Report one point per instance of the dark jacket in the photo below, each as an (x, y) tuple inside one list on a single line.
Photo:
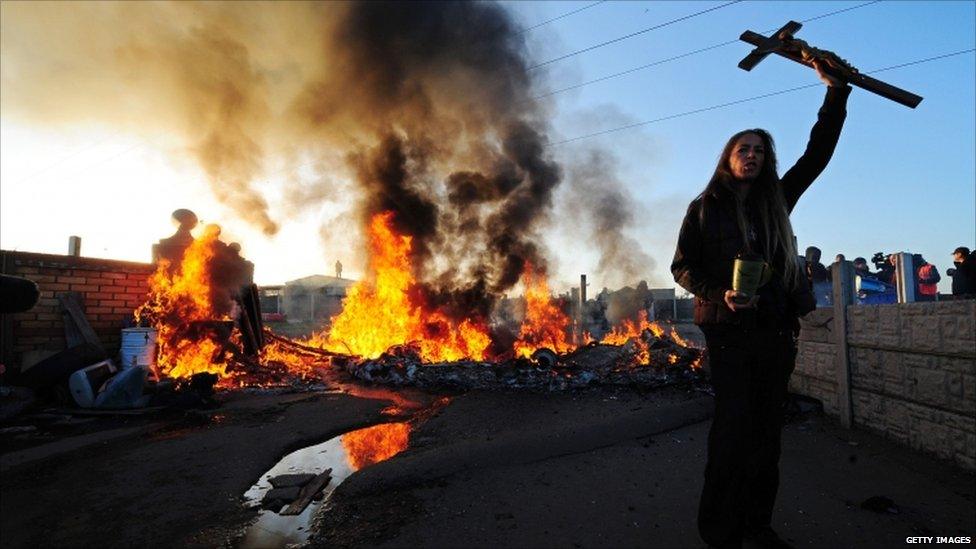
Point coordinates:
[(964, 279), (817, 272), (710, 237)]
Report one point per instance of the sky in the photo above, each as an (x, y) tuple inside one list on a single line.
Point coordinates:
[(901, 179)]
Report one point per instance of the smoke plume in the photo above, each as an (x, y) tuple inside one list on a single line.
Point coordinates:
[(427, 104), (436, 98), (607, 213)]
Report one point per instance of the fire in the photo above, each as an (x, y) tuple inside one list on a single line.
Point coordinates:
[(379, 313), (374, 444), (680, 340), (545, 324), (630, 330), (274, 351), (178, 296)]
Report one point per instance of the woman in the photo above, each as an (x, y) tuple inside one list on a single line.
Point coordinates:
[(750, 340)]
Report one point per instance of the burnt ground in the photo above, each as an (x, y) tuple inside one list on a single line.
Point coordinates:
[(620, 469), (597, 467), (162, 481)]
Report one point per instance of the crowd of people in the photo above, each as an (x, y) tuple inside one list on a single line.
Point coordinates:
[(927, 276)]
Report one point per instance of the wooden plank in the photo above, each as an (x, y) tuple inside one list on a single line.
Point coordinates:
[(72, 334), (246, 329), (308, 492), (252, 301), (75, 315), (843, 295)]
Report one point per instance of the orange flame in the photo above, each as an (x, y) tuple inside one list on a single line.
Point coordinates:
[(378, 314), (630, 330), (545, 324), (680, 340), (178, 296), (297, 364), (374, 444)]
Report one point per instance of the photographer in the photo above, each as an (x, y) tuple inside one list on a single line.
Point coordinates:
[(886, 267)]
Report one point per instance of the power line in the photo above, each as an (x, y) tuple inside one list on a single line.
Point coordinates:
[(926, 60), (633, 34), (688, 54), (835, 12), (558, 17), (68, 156), (748, 99)]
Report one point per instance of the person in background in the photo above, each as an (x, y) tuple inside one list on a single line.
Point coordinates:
[(861, 268), (927, 278), (338, 269), (886, 270), (830, 268), (964, 273), (816, 271), (818, 276)]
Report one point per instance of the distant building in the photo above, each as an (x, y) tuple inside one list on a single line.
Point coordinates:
[(313, 298), (271, 302)]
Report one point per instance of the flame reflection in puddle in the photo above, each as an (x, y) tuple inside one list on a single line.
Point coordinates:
[(344, 454)]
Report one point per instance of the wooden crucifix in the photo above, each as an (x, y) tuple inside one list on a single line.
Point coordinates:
[(784, 44)]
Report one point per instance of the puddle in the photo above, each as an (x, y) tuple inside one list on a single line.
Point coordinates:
[(344, 454), (405, 398)]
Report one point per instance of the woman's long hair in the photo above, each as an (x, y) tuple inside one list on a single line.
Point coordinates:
[(767, 201)]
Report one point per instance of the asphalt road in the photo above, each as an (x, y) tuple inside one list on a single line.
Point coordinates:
[(619, 469), (171, 482), (594, 468)]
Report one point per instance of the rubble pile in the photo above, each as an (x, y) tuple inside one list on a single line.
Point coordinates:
[(593, 364)]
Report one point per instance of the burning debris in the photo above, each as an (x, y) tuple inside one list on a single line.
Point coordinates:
[(593, 364), (387, 333)]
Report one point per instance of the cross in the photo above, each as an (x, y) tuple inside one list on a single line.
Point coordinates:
[(782, 43)]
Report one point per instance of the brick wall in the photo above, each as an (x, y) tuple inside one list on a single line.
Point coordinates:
[(912, 371), (110, 290)]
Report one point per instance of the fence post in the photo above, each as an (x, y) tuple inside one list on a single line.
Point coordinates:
[(842, 274), (905, 277)]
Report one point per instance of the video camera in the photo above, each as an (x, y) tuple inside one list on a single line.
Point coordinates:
[(880, 261)]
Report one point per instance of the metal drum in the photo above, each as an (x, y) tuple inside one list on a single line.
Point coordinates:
[(138, 348)]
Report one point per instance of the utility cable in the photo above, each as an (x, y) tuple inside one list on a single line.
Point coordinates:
[(688, 54), (558, 17), (748, 99), (633, 34), (69, 156)]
